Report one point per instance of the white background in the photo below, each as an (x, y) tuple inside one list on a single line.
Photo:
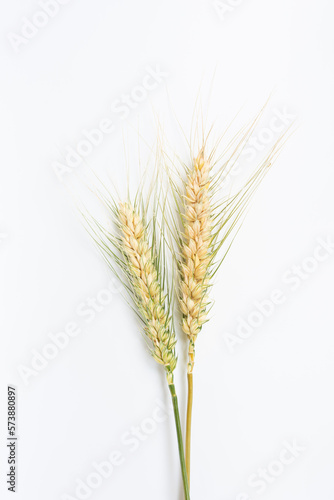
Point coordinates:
[(277, 385)]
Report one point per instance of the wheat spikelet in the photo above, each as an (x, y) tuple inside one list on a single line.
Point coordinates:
[(146, 286), (195, 252)]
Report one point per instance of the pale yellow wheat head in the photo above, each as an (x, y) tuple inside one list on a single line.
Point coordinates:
[(195, 252), (210, 221), (134, 249), (146, 286)]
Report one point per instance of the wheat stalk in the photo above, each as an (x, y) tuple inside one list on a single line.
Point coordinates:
[(137, 250), (194, 267), (207, 224), (139, 256)]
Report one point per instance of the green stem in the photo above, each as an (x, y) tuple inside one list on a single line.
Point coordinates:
[(188, 430), (180, 441)]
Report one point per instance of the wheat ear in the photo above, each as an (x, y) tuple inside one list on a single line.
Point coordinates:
[(147, 289), (195, 253)]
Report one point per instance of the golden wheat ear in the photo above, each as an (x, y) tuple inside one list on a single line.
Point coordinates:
[(206, 224), (196, 252), (147, 290), (133, 249)]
